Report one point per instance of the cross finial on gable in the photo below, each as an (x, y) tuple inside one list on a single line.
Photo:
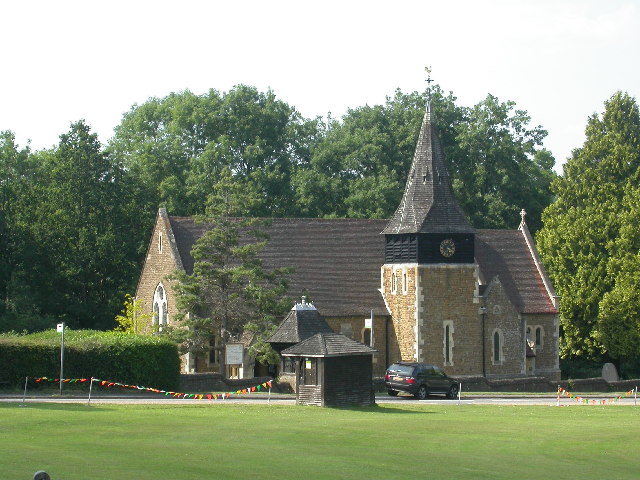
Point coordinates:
[(523, 214)]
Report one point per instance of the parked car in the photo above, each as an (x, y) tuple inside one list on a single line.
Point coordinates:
[(419, 379)]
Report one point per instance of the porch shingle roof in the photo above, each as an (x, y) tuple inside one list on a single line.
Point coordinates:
[(298, 325), (327, 345)]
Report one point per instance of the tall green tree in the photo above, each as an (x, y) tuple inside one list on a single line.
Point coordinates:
[(177, 146), (590, 239), (359, 167), (229, 290), (82, 216), (16, 180), (498, 165)]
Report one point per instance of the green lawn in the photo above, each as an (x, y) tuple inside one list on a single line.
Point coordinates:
[(217, 441)]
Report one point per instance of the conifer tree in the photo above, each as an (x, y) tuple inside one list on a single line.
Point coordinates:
[(229, 290), (590, 240)]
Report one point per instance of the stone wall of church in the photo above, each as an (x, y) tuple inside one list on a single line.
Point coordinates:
[(353, 327), (400, 297), (505, 358), (448, 298), (159, 263), (546, 362)]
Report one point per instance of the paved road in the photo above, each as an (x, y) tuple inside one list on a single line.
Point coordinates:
[(280, 399)]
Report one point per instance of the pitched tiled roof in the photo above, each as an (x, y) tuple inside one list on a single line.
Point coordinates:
[(428, 204), (504, 253), (327, 345), (337, 262), (302, 322)]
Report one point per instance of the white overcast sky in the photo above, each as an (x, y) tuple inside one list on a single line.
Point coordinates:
[(68, 60)]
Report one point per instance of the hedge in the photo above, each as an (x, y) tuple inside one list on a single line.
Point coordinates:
[(120, 357)]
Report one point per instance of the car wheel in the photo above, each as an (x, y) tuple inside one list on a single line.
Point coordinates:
[(393, 393), (422, 392), (453, 392)]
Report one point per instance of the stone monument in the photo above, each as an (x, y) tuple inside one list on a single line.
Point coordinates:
[(609, 372)]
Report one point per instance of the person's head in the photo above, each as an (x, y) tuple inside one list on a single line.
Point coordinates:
[(41, 475)]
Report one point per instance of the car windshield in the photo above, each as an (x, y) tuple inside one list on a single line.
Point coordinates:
[(401, 369)]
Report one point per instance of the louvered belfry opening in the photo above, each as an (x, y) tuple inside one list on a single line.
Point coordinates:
[(425, 248), (401, 248)]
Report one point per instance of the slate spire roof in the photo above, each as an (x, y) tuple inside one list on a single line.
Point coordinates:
[(428, 204)]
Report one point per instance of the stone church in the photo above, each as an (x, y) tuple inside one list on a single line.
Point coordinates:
[(424, 286)]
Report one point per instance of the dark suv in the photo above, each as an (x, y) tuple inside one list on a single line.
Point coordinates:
[(419, 379)]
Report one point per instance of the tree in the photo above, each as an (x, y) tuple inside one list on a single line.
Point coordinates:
[(360, 165), (16, 181), (590, 243), (155, 141), (229, 290), (131, 316), (177, 146), (618, 324), (498, 167), (81, 218)]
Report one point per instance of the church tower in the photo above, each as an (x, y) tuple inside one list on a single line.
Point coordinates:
[(430, 277)]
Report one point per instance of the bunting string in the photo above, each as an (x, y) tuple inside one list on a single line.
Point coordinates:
[(64, 380), (588, 401), (195, 396)]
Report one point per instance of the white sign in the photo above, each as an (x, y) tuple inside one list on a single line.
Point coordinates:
[(234, 354), (368, 323), (60, 327)]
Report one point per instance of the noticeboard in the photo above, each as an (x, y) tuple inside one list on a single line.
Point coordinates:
[(234, 353)]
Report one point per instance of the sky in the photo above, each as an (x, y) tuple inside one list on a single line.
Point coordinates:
[(69, 60)]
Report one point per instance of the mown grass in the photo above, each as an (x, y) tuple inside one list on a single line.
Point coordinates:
[(213, 440)]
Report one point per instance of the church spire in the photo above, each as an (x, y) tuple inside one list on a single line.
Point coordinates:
[(428, 204)]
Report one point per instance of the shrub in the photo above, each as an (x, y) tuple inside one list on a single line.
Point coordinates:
[(579, 367), (132, 359), (18, 322)]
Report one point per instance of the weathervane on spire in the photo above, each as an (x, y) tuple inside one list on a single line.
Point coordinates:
[(428, 80)]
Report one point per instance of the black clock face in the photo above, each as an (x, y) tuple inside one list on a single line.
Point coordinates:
[(447, 247)]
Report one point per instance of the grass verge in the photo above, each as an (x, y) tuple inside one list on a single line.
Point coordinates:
[(288, 442)]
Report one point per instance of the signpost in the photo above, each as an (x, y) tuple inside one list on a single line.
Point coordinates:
[(368, 322), (368, 326), (60, 329)]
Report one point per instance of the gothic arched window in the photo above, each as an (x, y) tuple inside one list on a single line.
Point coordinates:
[(497, 357), (447, 342), (539, 338), (160, 313)]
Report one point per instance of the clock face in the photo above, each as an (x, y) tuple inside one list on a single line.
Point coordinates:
[(447, 247)]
